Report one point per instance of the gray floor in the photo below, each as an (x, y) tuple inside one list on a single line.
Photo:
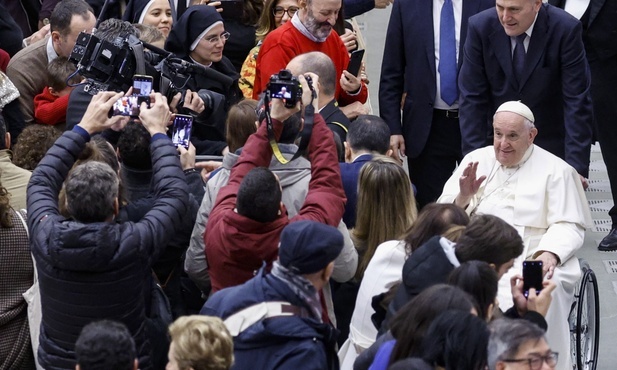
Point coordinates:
[(373, 26)]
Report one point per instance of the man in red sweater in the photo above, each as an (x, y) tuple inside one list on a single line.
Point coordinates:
[(246, 222), (310, 29)]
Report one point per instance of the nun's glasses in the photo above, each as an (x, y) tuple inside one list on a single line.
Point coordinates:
[(215, 39)]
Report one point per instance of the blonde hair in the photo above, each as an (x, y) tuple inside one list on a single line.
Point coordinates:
[(201, 343), (454, 232), (386, 207)]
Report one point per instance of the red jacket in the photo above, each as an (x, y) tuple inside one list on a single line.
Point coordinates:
[(236, 246), (50, 109)]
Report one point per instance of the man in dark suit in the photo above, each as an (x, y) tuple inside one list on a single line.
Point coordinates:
[(534, 53), (415, 43), (367, 135), (599, 30)]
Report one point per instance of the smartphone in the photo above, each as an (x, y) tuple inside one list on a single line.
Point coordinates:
[(129, 105), (181, 133), (142, 85), (232, 9), (532, 276), (355, 62)]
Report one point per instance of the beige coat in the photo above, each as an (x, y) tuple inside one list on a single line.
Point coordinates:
[(28, 71)]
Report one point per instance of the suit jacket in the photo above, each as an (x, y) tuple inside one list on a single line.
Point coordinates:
[(409, 66), (336, 120), (349, 174), (28, 71), (555, 83), (599, 29)]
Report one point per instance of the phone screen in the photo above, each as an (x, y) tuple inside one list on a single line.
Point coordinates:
[(280, 91), (126, 106), (142, 85), (181, 134), (532, 276), (355, 62)]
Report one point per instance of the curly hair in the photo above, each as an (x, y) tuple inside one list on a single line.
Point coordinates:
[(5, 207), (32, 144), (98, 150), (201, 343)]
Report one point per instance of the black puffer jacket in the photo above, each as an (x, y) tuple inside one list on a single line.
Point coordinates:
[(89, 272)]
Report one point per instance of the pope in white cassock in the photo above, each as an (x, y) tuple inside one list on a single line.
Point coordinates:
[(541, 196)]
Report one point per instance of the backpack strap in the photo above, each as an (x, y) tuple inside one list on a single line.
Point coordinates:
[(243, 319)]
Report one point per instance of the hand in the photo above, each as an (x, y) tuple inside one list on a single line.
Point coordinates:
[(156, 117), (364, 76), (350, 83), (187, 157), (536, 302), (469, 184), (397, 145), (193, 102), (38, 35), (279, 112), (173, 104), (584, 182), (381, 4), (96, 118), (353, 110), (349, 39), (549, 262), (518, 298), (541, 302), (207, 168), (215, 4), (307, 95)]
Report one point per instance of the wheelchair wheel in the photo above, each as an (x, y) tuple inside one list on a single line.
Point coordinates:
[(585, 321)]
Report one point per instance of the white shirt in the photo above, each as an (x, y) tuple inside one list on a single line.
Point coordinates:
[(457, 5), (527, 39), (577, 7), (51, 52)]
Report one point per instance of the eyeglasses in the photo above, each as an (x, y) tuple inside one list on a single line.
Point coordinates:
[(215, 39), (279, 11), (535, 362)]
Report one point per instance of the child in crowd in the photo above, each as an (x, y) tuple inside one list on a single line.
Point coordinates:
[(50, 105)]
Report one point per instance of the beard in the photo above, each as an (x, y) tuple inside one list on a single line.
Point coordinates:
[(320, 30)]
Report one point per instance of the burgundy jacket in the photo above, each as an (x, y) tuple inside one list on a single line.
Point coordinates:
[(237, 246)]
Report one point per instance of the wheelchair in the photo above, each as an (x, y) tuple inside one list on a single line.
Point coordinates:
[(584, 321)]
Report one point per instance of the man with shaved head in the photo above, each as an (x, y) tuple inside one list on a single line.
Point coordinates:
[(321, 64)]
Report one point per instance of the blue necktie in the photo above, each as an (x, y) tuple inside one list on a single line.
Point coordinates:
[(518, 57), (447, 54)]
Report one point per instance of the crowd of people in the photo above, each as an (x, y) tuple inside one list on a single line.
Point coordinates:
[(325, 237)]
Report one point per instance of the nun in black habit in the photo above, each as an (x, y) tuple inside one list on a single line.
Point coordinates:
[(199, 37), (155, 13)]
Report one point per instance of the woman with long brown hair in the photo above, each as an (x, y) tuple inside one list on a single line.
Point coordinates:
[(385, 209), (385, 269)]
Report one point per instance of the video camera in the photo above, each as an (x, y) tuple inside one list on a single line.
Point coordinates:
[(106, 65), (110, 66)]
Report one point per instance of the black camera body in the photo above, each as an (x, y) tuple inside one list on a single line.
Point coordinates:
[(285, 86), (106, 65)]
